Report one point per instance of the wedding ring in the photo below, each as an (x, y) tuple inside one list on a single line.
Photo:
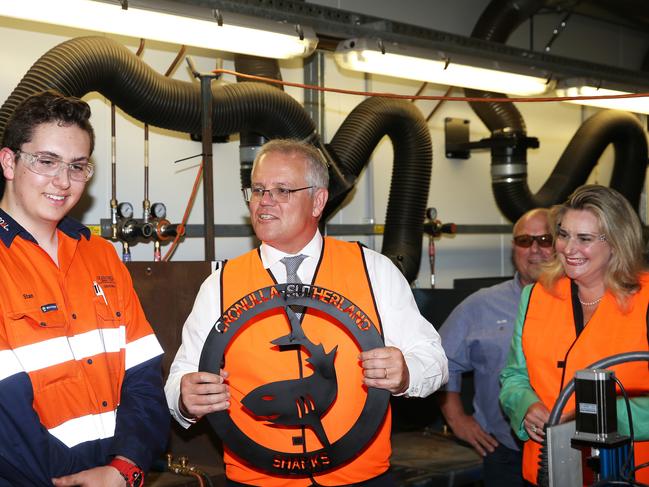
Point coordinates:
[(386, 374), (533, 428)]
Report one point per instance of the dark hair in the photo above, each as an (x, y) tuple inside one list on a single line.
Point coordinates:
[(46, 107)]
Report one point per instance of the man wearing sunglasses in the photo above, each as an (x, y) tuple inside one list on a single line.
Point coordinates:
[(81, 399), (476, 337)]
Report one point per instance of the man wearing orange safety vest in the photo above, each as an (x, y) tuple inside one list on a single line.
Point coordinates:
[(286, 199), (81, 399)]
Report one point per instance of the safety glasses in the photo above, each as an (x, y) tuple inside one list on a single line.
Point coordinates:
[(526, 241)]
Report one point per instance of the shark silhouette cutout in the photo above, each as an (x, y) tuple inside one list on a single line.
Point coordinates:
[(298, 402)]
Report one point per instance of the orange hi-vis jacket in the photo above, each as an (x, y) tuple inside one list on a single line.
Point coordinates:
[(549, 332), (253, 360), (75, 347)]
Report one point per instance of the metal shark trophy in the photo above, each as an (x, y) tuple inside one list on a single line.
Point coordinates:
[(301, 402)]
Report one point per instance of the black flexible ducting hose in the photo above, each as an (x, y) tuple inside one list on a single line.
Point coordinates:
[(509, 160), (258, 66), (497, 22), (79, 66), (621, 129), (250, 142), (543, 478), (369, 122), (86, 64), (353, 145), (339, 183)]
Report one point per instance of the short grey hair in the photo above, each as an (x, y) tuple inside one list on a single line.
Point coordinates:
[(317, 173)]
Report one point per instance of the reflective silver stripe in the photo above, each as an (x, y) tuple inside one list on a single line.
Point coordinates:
[(44, 354), (58, 350), (141, 350), (86, 428), (521, 178), (248, 153), (500, 170), (98, 341), (9, 364)]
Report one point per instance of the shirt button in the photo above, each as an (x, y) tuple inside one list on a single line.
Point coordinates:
[(42, 323), (118, 314), (74, 316), (104, 404), (89, 361)]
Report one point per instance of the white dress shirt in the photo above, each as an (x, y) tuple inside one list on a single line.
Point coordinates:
[(403, 326)]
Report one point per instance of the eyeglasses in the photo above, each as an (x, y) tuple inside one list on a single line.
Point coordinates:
[(583, 240), (50, 165), (279, 195), (527, 241)]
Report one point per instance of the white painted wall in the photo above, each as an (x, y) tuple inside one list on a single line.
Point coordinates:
[(460, 189)]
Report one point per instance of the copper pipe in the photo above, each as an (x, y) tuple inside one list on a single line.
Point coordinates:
[(184, 468), (146, 204), (174, 63), (113, 174)]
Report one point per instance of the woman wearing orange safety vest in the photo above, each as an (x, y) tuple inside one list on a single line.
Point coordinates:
[(591, 303)]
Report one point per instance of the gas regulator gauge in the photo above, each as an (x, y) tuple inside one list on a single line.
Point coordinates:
[(158, 210), (125, 210)]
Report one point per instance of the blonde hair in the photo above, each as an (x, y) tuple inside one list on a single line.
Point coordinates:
[(623, 230)]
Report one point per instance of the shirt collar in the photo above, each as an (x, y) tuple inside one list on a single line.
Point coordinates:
[(271, 256), (74, 228), (10, 229), (517, 281)]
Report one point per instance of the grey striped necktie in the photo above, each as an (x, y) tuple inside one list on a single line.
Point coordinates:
[(292, 264)]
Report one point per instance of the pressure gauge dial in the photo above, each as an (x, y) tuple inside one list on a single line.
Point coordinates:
[(125, 210), (158, 210)]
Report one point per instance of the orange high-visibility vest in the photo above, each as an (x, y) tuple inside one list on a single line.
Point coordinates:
[(549, 332), (252, 360)]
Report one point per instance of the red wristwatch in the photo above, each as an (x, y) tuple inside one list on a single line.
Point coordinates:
[(133, 475)]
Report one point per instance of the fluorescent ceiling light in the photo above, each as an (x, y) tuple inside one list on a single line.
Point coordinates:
[(637, 105), (232, 33), (371, 56)]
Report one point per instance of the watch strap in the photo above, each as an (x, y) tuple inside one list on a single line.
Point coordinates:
[(133, 475)]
